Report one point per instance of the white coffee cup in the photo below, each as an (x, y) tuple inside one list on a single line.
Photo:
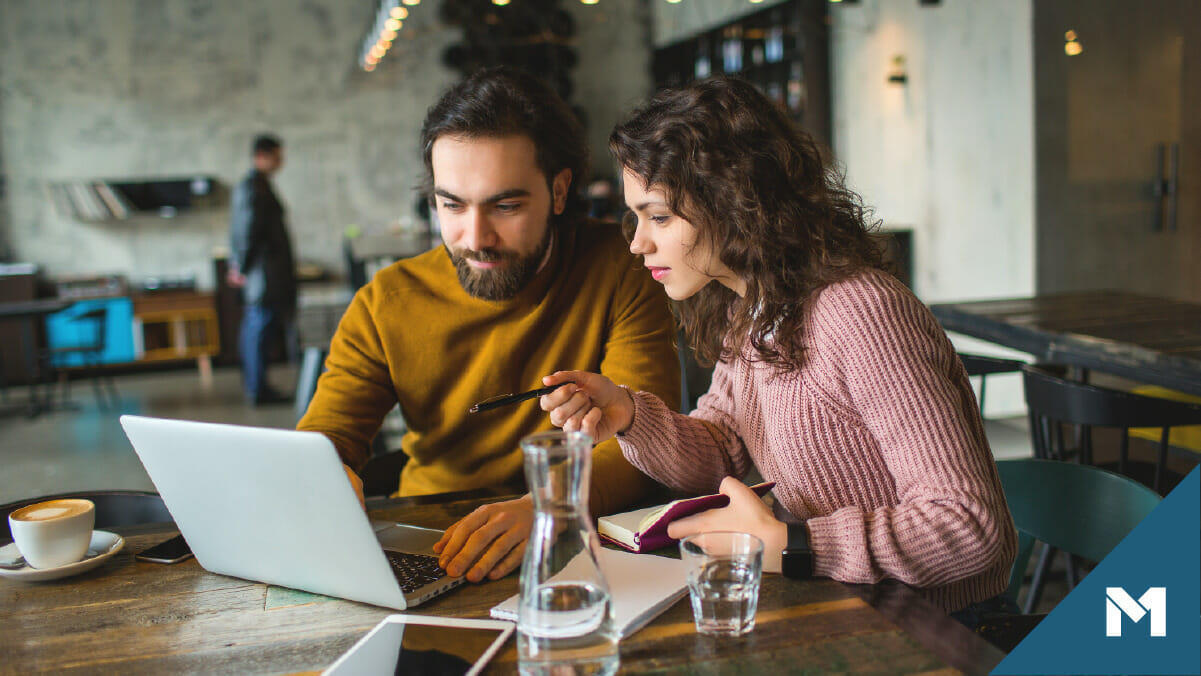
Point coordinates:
[(53, 533)]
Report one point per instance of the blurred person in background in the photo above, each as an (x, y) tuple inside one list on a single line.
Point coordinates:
[(262, 264)]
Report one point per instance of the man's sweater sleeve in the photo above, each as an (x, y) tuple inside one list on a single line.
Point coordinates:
[(355, 392), (640, 352), (899, 372)]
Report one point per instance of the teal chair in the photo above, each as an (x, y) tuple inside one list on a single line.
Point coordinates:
[(1079, 509)]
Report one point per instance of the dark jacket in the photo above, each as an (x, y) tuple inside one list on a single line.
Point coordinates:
[(260, 245)]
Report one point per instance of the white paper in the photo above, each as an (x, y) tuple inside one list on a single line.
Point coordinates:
[(642, 587)]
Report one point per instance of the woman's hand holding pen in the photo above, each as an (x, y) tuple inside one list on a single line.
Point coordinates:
[(592, 404)]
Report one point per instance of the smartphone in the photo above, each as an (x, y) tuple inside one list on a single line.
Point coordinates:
[(415, 644), (170, 551)]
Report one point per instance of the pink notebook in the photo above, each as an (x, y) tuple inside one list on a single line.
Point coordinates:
[(645, 530)]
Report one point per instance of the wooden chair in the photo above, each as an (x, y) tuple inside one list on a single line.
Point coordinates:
[(1053, 400), (1082, 510), (113, 508), (980, 365)]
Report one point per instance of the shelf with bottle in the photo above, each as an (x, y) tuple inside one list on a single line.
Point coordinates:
[(783, 50)]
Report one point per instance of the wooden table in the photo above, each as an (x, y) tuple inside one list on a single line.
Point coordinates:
[(130, 616), (1142, 338)]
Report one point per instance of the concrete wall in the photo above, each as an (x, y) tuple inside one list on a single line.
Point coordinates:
[(614, 73), (5, 250), (951, 153), (123, 89)]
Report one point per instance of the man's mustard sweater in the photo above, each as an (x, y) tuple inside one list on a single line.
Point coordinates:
[(414, 336)]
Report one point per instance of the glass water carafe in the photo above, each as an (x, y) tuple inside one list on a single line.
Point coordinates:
[(565, 616)]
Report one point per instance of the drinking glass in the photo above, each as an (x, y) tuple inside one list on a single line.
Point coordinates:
[(724, 569)]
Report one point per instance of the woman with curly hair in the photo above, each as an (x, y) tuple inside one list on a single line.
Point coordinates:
[(832, 379)]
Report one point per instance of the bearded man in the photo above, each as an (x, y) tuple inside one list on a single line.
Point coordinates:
[(524, 285)]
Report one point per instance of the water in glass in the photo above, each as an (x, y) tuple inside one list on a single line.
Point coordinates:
[(565, 616), (723, 581)]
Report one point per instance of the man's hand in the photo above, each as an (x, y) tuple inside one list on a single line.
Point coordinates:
[(235, 278), (591, 404), (356, 482), (746, 513), (487, 542)]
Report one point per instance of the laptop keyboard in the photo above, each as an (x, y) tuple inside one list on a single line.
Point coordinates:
[(414, 571)]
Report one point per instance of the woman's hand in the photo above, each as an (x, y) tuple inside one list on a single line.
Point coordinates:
[(487, 542), (746, 513), (591, 404)]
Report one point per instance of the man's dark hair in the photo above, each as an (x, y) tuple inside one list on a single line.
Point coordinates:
[(504, 101), (265, 143)]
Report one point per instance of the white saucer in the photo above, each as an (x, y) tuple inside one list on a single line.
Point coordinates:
[(104, 542)]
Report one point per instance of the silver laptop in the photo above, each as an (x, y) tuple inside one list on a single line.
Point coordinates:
[(275, 506)]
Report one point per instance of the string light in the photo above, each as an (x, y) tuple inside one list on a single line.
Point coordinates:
[(383, 32), (1071, 45), (500, 3)]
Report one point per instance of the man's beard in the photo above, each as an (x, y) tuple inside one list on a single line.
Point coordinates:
[(504, 281)]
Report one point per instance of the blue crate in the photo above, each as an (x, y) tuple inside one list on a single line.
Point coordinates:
[(67, 329)]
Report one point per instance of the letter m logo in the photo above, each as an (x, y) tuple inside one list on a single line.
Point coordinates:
[(1153, 602)]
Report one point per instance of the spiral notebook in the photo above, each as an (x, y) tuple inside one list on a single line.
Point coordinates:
[(641, 587)]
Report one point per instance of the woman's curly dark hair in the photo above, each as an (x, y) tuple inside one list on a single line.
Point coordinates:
[(757, 190)]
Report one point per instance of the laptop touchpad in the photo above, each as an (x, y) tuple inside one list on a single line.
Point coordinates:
[(409, 539)]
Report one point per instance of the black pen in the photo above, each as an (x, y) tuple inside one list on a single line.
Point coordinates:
[(506, 399)]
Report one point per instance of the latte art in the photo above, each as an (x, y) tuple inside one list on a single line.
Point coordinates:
[(54, 509)]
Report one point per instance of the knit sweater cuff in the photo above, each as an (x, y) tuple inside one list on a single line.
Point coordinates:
[(642, 427), (825, 539)]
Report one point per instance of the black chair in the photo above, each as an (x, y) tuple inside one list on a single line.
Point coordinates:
[(980, 365), (1053, 401), (93, 325), (694, 378), (113, 508), (381, 474)]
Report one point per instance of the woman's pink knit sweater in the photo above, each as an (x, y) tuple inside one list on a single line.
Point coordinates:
[(876, 443)]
